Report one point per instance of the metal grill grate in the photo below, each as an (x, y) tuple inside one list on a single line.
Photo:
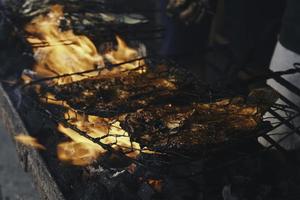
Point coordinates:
[(281, 114)]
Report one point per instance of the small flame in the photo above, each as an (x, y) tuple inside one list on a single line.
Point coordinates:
[(123, 54), (29, 141)]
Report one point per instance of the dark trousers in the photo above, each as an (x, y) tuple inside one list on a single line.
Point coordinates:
[(251, 26), (182, 39)]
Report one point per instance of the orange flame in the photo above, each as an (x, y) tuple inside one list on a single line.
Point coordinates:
[(63, 52), (123, 54), (82, 151), (66, 53), (29, 141)]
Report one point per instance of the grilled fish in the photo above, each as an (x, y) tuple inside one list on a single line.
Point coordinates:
[(176, 128), (108, 96)]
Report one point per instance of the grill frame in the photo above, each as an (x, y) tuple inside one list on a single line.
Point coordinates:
[(155, 60), (33, 162)]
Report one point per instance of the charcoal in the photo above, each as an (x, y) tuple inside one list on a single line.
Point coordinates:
[(31, 8), (109, 96), (121, 191), (145, 192), (94, 190), (92, 19), (188, 169), (98, 23), (179, 189), (185, 129), (27, 8), (263, 96)]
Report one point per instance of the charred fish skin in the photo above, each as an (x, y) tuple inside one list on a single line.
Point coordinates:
[(114, 95), (172, 128)]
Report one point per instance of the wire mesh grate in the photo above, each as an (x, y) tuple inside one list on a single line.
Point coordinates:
[(69, 117)]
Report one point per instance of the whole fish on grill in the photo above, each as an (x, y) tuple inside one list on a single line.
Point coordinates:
[(174, 128), (112, 95)]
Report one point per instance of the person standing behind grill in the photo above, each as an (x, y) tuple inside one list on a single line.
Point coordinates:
[(286, 54), (186, 31), (240, 34)]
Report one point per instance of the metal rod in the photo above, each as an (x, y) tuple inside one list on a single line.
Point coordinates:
[(80, 73)]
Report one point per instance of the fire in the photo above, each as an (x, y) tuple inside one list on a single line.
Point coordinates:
[(156, 184), (64, 52), (29, 141), (60, 52), (79, 151), (82, 151), (123, 54)]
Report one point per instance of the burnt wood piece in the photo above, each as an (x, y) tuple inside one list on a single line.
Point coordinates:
[(31, 8), (113, 95), (188, 129), (30, 159), (95, 19)]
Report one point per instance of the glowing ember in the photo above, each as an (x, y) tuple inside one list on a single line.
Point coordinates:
[(29, 141), (156, 184), (62, 52)]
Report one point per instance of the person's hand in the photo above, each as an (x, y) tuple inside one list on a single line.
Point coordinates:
[(188, 11)]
